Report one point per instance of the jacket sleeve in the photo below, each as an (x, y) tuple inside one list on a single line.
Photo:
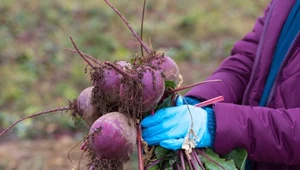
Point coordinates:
[(268, 135), (235, 71)]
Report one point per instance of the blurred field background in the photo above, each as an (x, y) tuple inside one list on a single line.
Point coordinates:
[(36, 73)]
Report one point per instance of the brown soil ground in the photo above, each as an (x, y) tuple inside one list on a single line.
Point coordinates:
[(44, 155)]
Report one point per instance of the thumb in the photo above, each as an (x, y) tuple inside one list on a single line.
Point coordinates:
[(172, 144)]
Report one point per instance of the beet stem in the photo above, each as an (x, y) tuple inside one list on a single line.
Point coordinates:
[(193, 161), (91, 167), (199, 151), (194, 165), (82, 56), (34, 115), (139, 150), (192, 85), (158, 161), (115, 67), (182, 159), (129, 26), (152, 112), (85, 55), (83, 146), (178, 166), (210, 101), (189, 162), (142, 26), (198, 160)]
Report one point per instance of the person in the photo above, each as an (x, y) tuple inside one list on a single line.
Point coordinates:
[(260, 84)]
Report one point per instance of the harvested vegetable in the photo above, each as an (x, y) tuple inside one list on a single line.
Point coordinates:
[(112, 137), (167, 66), (85, 108)]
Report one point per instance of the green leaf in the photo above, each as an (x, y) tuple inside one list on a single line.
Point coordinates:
[(239, 156), (161, 152), (166, 103), (170, 85), (168, 158), (209, 165), (173, 160), (155, 167)]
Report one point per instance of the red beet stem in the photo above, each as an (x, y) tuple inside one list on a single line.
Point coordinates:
[(139, 150), (188, 161), (85, 55), (91, 167), (210, 101), (129, 26), (197, 159), (182, 159), (34, 115), (115, 67), (82, 56), (142, 26), (152, 112), (192, 85), (83, 146)]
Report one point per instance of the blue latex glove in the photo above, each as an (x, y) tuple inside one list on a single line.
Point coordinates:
[(168, 126), (186, 100)]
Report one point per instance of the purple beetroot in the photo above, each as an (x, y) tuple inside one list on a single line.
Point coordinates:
[(113, 136), (85, 108), (167, 66), (152, 85)]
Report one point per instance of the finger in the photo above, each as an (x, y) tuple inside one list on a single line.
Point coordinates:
[(179, 100), (173, 144), (158, 117), (174, 132), (155, 130), (164, 127), (156, 139)]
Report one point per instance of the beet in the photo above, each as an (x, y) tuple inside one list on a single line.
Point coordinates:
[(124, 64), (167, 67), (85, 107), (113, 137), (108, 80), (152, 87), (109, 83)]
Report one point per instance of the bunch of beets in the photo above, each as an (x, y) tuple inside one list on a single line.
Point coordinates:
[(121, 94)]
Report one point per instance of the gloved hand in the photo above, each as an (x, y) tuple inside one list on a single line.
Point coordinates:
[(168, 126)]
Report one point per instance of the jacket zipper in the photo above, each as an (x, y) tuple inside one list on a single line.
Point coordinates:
[(281, 67), (257, 56)]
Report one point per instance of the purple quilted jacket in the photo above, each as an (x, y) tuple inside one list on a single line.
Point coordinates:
[(271, 134)]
